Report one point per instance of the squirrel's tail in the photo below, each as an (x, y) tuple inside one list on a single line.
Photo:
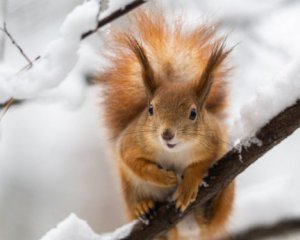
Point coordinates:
[(175, 54)]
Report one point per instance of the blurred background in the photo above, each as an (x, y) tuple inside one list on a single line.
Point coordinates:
[(54, 158)]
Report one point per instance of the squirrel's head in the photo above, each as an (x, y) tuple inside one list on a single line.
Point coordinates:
[(176, 110)]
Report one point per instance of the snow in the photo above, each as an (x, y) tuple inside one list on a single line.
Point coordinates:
[(268, 102), (73, 228), (59, 58)]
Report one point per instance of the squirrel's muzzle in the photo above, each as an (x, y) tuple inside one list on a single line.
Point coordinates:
[(167, 135)]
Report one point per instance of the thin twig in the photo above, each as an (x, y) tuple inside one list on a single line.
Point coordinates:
[(113, 16), (11, 101), (28, 66), (4, 29), (16, 102), (6, 107)]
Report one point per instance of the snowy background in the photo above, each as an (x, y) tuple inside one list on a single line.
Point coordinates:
[(53, 154)]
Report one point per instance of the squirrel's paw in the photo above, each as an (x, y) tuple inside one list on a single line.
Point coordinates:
[(145, 209), (185, 195), (166, 178)]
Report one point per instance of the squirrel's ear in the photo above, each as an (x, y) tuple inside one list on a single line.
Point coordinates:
[(147, 71), (203, 85)]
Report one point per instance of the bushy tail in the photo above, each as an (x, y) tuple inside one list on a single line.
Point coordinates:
[(175, 53)]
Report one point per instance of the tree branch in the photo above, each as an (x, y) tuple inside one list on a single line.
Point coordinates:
[(6, 107), (113, 16), (221, 174), (283, 227)]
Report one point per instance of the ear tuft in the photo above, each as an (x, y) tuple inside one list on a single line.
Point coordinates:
[(147, 71), (215, 60)]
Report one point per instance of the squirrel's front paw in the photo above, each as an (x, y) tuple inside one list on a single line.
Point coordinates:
[(144, 209), (167, 178), (185, 195)]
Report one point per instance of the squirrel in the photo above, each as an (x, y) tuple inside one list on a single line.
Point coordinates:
[(164, 99)]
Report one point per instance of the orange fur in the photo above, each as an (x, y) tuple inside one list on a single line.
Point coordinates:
[(175, 54), (176, 73)]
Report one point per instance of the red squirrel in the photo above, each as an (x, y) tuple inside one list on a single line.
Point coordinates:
[(164, 99)]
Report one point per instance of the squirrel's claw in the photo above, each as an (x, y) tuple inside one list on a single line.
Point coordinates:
[(144, 210), (184, 196)]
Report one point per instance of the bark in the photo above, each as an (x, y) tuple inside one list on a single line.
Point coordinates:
[(221, 174)]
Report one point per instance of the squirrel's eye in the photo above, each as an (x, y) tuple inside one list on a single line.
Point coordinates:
[(193, 114), (150, 110)]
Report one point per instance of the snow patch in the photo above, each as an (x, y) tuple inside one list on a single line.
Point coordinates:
[(246, 143), (268, 102), (73, 228)]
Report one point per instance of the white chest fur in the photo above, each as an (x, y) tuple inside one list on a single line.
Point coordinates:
[(175, 160)]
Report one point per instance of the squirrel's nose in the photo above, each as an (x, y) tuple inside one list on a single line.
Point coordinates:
[(167, 135)]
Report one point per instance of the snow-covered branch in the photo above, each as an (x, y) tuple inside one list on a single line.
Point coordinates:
[(268, 101), (63, 54), (114, 15), (57, 61)]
